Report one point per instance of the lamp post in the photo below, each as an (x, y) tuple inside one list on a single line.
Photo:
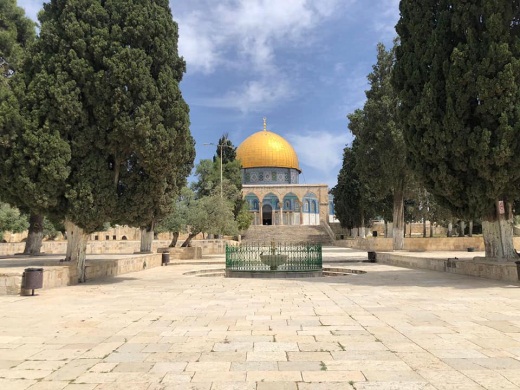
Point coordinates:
[(221, 146)]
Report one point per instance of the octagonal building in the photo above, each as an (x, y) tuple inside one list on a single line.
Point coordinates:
[(271, 183)]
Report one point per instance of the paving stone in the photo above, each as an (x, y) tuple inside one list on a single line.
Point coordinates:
[(266, 356), (254, 366), (392, 328), (274, 376), (216, 376), (332, 376), (276, 386), (45, 385)]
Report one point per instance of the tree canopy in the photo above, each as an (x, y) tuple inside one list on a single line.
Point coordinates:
[(458, 76), (105, 84), (459, 72), (381, 152)]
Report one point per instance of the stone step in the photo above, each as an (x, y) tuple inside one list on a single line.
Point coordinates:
[(277, 233)]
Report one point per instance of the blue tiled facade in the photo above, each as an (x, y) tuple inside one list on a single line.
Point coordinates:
[(270, 176)]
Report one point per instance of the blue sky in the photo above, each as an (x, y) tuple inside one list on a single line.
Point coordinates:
[(300, 63)]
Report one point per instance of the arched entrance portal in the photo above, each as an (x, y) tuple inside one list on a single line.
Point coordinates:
[(267, 215)]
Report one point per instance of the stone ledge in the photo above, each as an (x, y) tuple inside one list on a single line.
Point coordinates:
[(56, 274), (187, 253), (479, 266)]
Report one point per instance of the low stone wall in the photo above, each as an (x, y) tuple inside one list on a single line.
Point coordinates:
[(419, 244), (213, 247), (56, 274), (97, 269), (189, 253), (478, 266), (209, 247)]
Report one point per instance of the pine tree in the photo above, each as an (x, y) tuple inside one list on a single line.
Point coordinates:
[(458, 76)]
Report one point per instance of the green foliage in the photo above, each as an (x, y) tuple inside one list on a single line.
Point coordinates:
[(244, 217), (12, 220), (458, 77), (208, 183), (104, 98), (17, 32), (382, 152), (229, 151), (52, 229), (354, 204), (211, 214)]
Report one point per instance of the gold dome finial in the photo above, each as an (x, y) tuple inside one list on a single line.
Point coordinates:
[(265, 123)]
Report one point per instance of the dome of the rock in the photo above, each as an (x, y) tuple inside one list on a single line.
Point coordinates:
[(267, 149)]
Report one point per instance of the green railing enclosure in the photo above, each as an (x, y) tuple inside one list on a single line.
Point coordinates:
[(274, 257)]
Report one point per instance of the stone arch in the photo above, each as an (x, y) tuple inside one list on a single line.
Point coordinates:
[(291, 209), (311, 209)]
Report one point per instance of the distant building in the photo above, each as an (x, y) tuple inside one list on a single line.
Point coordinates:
[(271, 183)]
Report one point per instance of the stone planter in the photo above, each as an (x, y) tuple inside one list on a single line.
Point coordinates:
[(273, 261)]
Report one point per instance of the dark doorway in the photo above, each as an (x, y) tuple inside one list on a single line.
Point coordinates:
[(267, 215)]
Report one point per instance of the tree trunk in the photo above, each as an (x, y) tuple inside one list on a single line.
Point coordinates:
[(424, 227), (390, 229), (398, 217), (497, 230), (462, 227), (175, 238), (431, 229), (33, 245), (450, 229), (187, 242), (146, 239), (362, 230), (77, 248), (470, 229), (386, 228)]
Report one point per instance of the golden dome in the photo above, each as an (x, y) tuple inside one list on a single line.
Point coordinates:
[(267, 149)]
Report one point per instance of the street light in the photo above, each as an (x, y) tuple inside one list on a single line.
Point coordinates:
[(221, 146)]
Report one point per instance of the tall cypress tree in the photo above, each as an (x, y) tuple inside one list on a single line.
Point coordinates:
[(32, 186), (382, 152), (105, 82), (458, 76)]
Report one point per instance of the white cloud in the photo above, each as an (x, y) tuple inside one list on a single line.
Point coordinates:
[(320, 150), (253, 96), (249, 37), (247, 31)]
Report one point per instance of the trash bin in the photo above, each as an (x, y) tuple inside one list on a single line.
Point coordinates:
[(165, 258), (518, 268), (33, 279), (372, 257), (374, 233)]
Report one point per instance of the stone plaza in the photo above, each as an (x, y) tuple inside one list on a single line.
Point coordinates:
[(167, 328)]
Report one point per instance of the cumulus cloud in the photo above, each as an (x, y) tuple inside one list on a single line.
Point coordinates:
[(251, 28), (320, 150), (249, 37), (253, 96)]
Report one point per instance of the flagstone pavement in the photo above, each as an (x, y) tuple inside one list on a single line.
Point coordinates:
[(391, 328)]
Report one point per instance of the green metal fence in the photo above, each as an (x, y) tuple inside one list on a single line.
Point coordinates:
[(274, 257)]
